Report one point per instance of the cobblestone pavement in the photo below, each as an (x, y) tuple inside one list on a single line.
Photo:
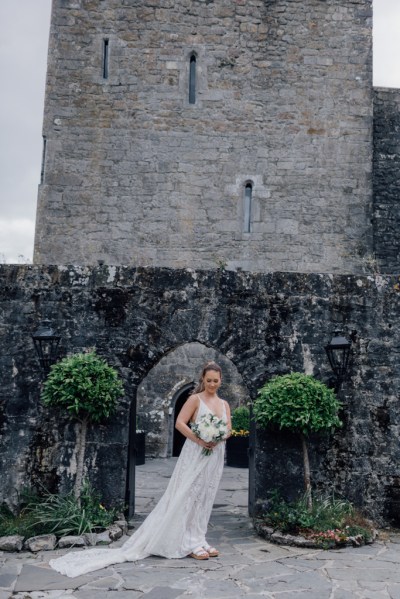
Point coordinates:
[(248, 566)]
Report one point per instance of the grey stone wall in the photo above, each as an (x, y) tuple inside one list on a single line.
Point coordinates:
[(265, 324), (386, 179), (284, 101)]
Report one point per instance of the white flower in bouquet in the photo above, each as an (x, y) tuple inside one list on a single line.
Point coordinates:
[(210, 429)]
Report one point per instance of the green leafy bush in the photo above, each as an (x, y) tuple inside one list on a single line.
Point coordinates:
[(241, 420), (298, 402), (88, 389), (85, 385)]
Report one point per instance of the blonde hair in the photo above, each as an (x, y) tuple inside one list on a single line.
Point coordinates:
[(209, 366)]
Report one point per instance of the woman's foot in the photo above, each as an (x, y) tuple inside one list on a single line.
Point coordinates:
[(212, 552), (199, 553)]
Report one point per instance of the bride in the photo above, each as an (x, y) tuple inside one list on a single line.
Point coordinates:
[(177, 525)]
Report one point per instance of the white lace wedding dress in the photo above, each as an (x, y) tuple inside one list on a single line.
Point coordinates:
[(176, 526)]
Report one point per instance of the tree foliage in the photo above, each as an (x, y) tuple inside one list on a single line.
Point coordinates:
[(241, 419), (298, 402), (88, 389), (302, 404), (85, 386)]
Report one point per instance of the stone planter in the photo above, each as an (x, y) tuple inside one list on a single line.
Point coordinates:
[(237, 452), (140, 448)]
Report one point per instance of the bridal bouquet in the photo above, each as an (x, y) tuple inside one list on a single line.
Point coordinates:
[(210, 429)]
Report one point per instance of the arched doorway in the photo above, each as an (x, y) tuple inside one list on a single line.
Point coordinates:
[(177, 438), (171, 377), (162, 393)]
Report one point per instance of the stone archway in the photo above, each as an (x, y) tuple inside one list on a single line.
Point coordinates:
[(161, 391), (170, 379)]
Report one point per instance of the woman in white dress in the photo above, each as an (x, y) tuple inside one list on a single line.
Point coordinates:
[(178, 524)]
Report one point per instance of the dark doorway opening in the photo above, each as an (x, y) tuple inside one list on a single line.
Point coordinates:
[(178, 438)]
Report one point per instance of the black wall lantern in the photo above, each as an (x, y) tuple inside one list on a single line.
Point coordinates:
[(338, 352), (46, 344)]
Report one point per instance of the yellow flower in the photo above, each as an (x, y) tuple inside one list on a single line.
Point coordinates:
[(240, 433)]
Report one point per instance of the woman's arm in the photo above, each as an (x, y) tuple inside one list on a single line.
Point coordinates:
[(187, 412), (228, 419)]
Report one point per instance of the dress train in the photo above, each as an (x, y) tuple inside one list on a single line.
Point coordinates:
[(178, 523)]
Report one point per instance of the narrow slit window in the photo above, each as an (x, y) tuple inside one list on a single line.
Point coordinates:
[(43, 159), (248, 199), (105, 58), (192, 80)]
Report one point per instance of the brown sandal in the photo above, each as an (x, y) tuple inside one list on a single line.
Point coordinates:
[(212, 552), (199, 553)]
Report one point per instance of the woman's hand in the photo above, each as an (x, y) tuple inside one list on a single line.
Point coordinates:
[(205, 444)]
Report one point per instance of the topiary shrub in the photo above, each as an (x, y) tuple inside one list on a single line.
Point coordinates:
[(88, 389), (300, 403)]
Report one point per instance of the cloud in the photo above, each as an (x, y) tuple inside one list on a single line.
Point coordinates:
[(16, 240), (386, 40), (23, 57)]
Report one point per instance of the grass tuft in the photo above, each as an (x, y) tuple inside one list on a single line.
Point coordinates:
[(58, 514)]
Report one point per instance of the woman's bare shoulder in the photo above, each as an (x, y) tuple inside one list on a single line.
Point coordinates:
[(194, 398), (192, 402), (227, 406)]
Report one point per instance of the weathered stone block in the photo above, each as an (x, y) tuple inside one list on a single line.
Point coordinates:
[(115, 532), (11, 543), (41, 543), (103, 538), (90, 538), (123, 525), (71, 541)]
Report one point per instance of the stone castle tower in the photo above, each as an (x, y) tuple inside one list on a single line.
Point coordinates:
[(208, 133)]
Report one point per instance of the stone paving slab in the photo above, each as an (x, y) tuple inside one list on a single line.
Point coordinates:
[(247, 567), (394, 591), (164, 592), (89, 594), (37, 578)]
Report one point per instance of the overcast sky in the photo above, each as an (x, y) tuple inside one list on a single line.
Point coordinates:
[(23, 53)]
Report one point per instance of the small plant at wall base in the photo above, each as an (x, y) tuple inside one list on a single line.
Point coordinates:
[(19, 522), (299, 403), (331, 522), (88, 389), (67, 515), (57, 514)]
